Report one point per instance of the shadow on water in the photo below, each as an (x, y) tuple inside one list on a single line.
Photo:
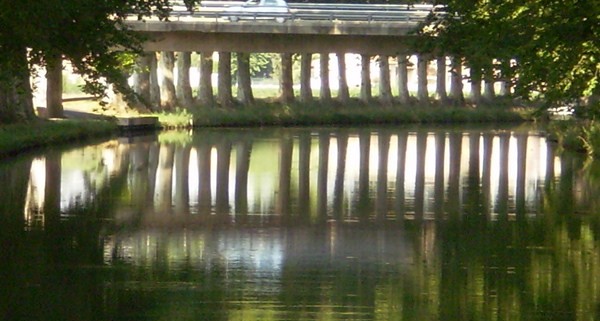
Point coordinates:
[(302, 224)]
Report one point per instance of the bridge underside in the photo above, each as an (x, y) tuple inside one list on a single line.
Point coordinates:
[(282, 43)]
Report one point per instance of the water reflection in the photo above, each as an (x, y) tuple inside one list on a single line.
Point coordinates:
[(387, 224)]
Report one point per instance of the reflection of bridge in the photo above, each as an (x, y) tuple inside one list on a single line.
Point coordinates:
[(387, 175)]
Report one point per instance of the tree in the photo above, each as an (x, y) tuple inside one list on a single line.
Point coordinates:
[(85, 32)]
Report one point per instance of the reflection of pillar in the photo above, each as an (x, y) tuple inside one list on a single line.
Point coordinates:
[(486, 174), (420, 175), (304, 174), (205, 88), (325, 93), (223, 162), (153, 157), (365, 78), (204, 188), (244, 89), (224, 82), (322, 175), (521, 169), (338, 190), (422, 92), (440, 158), (182, 173), (139, 176), (364, 141), (502, 197), (167, 89), (400, 175), (52, 187), (455, 148), (382, 173), (472, 199), (243, 152), (343, 94), (305, 68), (184, 89), (403, 94), (164, 179), (549, 179), (285, 175), (385, 89), (286, 82)]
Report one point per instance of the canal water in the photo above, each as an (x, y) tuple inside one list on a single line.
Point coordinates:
[(302, 224)]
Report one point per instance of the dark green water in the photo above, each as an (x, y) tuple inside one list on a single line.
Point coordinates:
[(322, 224)]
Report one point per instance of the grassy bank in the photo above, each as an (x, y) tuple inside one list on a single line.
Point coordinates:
[(21, 137), (318, 115)]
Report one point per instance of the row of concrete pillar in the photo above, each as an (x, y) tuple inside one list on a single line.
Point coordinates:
[(166, 95)]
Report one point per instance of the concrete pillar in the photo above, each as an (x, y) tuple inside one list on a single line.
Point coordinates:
[(325, 92), (475, 85), (385, 89), (403, 94), (305, 68), (184, 89), (225, 95), (286, 82), (167, 90), (343, 94), (422, 92), (456, 86), (505, 78), (244, 88), (205, 88), (54, 88), (440, 84), (154, 84), (141, 79), (365, 78), (488, 88)]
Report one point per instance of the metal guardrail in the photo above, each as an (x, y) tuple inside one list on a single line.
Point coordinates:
[(313, 11)]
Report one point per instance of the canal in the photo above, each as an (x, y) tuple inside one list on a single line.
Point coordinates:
[(393, 223)]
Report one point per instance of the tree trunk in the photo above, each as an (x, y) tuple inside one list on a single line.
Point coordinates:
[(306, 94), (343, 94), (286, 81), (440, 84), (385, 89), (456, 85), (475, 85), (167, 90), (244, 89), (325, 92), (54, 89), (224, 90), (422, 92), (488, 89), (141, 79), (205, 88), (184, 89), (17, 98), (154, 84), (365, 78), (403, 94)]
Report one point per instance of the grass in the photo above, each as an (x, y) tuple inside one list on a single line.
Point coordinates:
[(17, 138)]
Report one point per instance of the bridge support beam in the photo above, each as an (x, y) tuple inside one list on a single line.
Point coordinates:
[(343, 94), (422, 92), (325, 92), (365, 78), (184, 89), (154, 84), (224, 85), (205, 88), (244, 88), (456, 86), (167, 90), (286, 82), (440, 84), (306, 94), (141, 79), (385, 89), (403, 94)]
